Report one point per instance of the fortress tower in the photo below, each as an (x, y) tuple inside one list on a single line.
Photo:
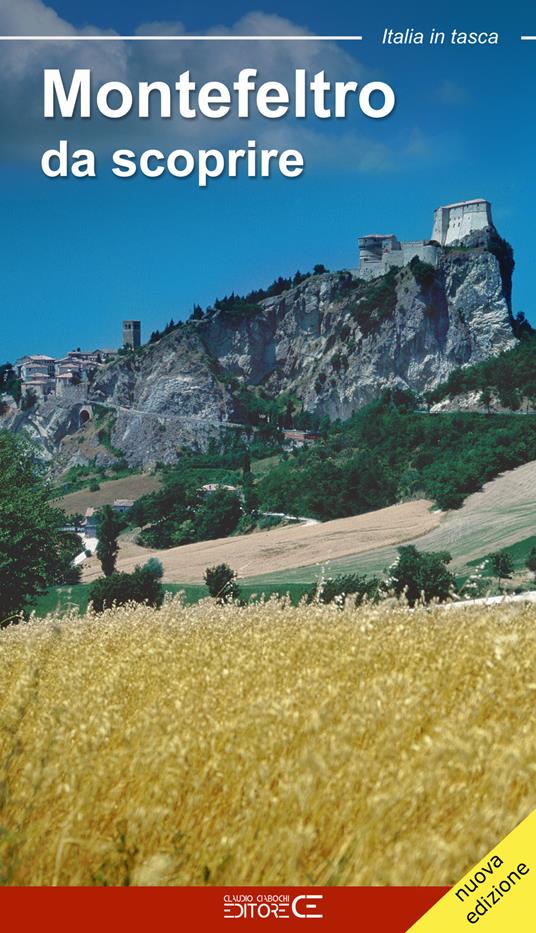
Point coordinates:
[(379, 252), (455, 221), (132, 334)]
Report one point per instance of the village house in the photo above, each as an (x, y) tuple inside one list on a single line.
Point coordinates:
[(122, 505), (44, 376), (295, 438)]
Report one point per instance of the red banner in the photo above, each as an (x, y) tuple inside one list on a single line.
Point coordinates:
[(74, 910)]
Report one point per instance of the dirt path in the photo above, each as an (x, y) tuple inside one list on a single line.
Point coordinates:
[(283, 548)]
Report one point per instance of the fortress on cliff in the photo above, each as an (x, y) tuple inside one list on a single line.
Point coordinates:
[(379, 252)]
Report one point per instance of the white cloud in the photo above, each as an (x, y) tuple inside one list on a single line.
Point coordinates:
[(25, 133)]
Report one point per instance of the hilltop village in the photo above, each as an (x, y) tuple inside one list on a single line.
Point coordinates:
[(42, 377)]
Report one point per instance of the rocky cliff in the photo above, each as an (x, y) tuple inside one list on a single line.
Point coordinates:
[(334, 341)]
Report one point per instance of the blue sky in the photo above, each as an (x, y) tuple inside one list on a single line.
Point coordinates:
[(78, 256)]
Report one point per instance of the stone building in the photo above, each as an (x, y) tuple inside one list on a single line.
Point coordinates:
[(379, 252), (35, 365), (456, 221), (132, 334)]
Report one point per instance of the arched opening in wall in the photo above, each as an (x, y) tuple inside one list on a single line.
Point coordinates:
[(84, 417)]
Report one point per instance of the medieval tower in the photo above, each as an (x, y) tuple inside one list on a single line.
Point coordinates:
[(132, 334), (458, 220)]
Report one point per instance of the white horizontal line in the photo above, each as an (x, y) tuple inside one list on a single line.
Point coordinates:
[(181, 38), (528, 38)]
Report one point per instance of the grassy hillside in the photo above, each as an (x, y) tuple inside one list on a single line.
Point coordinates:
[(279, 548), (387, 453), (217, 745)]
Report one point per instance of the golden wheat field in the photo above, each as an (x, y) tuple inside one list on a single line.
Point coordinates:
[(264, 745)]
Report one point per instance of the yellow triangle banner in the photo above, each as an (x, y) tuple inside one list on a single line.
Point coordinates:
[(498, 895)]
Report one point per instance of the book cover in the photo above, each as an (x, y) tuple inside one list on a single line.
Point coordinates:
[(268, 459)]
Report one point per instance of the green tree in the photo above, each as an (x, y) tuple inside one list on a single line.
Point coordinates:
[(221, 583), (184, 533), (502, 565), (531, 561), (33, 552), (421, 575), (251, 498), (108, 529), (70, 545), (219, 515), (486, 398)]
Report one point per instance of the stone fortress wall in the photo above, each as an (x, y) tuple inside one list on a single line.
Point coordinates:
[(458, 220), (380, 252)]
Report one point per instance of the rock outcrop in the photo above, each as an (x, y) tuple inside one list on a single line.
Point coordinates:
[(335, 341)]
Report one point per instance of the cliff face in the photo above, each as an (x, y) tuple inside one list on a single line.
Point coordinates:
[(164, 398), (337, 343), (334, 341)]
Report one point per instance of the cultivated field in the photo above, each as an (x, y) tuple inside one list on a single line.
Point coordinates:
[(503, 513), (266, 745), (282, 548), (131, 487)]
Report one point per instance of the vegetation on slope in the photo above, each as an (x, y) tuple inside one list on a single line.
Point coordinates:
[(510, 377), (387, 452), (239, 305)]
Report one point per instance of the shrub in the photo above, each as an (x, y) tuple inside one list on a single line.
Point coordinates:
[(423, 273), (221, 584), (141, 586), (376, 302), (29, 400), (246, 524), (351, 584), (270, 521)]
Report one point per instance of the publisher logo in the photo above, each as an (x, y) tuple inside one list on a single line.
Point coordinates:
[(277, 906)]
